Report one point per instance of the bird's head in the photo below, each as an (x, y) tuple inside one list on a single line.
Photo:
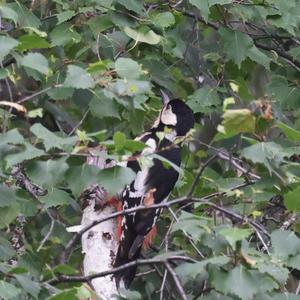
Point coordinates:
[(176, 114)]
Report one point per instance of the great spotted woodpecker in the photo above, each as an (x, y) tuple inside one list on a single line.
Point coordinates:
[(152, 184)]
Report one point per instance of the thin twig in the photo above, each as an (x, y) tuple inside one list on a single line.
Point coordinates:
[(176, 281), (45, 90), (161, 296), (186, 234)]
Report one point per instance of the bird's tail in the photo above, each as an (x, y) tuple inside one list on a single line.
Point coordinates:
[(129, 250)]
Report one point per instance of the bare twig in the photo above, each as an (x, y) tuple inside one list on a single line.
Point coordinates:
[(176, 281)]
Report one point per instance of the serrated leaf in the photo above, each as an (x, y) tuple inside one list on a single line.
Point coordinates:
[(128, 68), (60, 93), (102, 106), (52, 140), (28, 152), (112, 179), (78, 78), (188, 271), (236, 44), (31, 41), (292, 200), (143, 35), (56, 197), (236, 121), (7, 215), (6, 45), (279, 273), (7, 196), (164, 19), (8, 291), (203, 100), (31, 287), (130, 87), (47, 173), (6, 249), (270, 154), (65, 16), (291, 133), (134, 5), (279, 89), (285, 243), (25, 17), (8, 13), (64, 34), (3, 73), (35, 61), (235, 234)]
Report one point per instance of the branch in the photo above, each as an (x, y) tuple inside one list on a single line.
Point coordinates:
[(176, 281), (138, 262)]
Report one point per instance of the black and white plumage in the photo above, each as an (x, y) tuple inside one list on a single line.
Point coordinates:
[(152, 183)]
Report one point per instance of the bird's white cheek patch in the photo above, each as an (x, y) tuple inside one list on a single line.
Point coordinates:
[(168, 117)]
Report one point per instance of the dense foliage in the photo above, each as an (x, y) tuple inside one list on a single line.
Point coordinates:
[(89, 71)]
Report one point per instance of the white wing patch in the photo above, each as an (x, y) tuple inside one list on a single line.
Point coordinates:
[(141, 176)]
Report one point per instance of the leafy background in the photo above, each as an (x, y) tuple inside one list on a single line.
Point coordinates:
[(89, 71)]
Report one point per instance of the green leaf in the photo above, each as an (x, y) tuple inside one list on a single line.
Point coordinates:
[(31, 41), (6, 45), (48, 173), (241, 282), (203, 100), (25, 17), (102, 106), (65, 295), (112, 179), (279, 89), (119, 140), (236, 44), (8, 13), (235, 234), (270, 154), (236, 121), (64, 34), (128, 68), (65, 15), (52, 140), (11, 137), (203, 6), (292, 200), (279, 273), (280, 239), (28, 152), (6, 249), (134, 5), (56, 197), (31, 287), (195, 226), (143, 35), (8, 291), (7, 215), (130, 87), (188, 271), (7, 196), (164, 19), (35, 61), (60, 93), (291, 133), (256, 55), (78, 78), (3, 73)]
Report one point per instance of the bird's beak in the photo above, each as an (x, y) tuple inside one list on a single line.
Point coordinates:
[(165, 97)]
